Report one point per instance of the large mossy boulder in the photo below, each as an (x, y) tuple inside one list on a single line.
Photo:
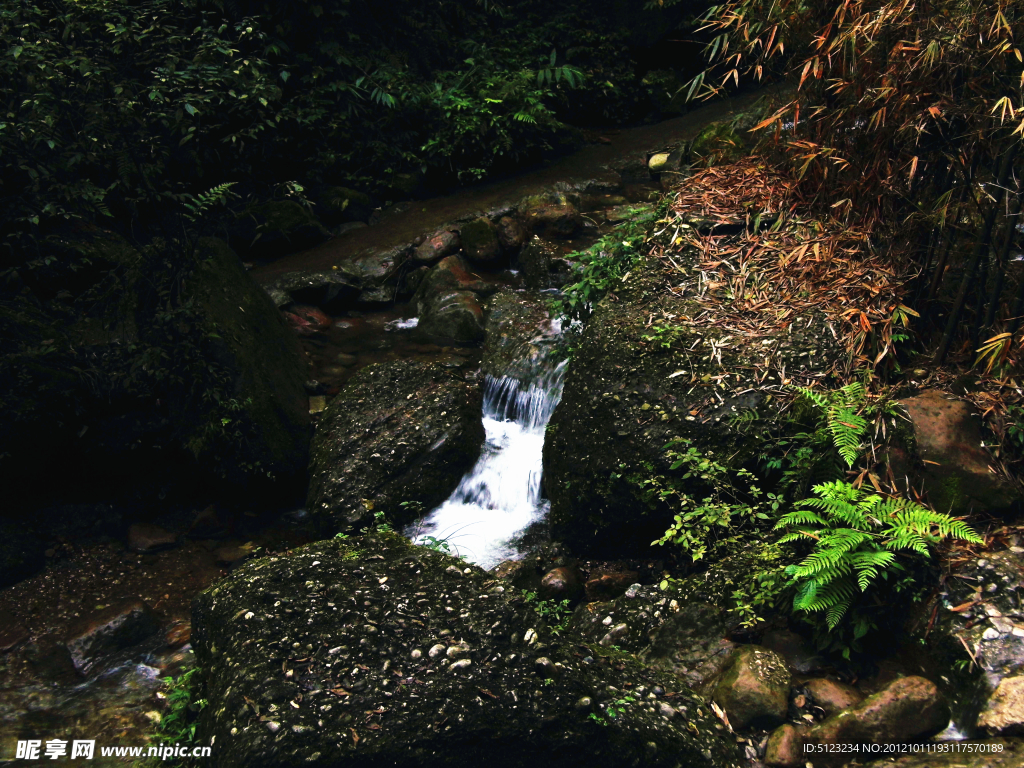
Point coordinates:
[(643, 374), (375, 652), (125, 382), (398, 432), (449, 302), (265, 367), (944, 454), (521, 335)]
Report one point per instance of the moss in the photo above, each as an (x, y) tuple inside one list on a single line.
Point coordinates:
[(479, 240)]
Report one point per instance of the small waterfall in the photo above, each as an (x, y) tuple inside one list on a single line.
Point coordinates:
[(500, 497)]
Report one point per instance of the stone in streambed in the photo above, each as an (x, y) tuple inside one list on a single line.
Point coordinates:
[(397, 432), (908, 709), (785, 747), (754, 688), (146, 537), (438, 246), (1004, 713), (454, 317), (109, 630), (480, 241), (609, 585), (511, 233), (833, 696), (561, 583)]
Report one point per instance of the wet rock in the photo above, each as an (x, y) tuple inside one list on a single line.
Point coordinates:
[(692, 643), (480, 241), (945, 454), (1004, 713), (831, 695), (110, 630), (398, 432), (12, 633), (450, 274), (455, 317), (437, 246), (382, 294), (785, 748), (179, 635), (658, 162), (609, 585), (22, 553), (210, 523), (329, 289), (511, 233), (561, 583), (355, 696), (535, 264), (754, 688), (520, 574), (986, 597), (520, 335), (146, 537), (626, 396), (908, 709), (551, 217)]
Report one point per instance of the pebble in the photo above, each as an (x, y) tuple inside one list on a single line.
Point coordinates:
[(436, 651), (417, 653), (990, 634), (460, 665)]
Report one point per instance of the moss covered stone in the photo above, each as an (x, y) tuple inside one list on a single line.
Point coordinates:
[(480, 241), (373, 652), (398, 432)]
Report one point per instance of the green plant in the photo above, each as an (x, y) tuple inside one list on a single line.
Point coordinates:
[(178, 724), (699, 522), (555, 613), (856, 539), (380, 522)]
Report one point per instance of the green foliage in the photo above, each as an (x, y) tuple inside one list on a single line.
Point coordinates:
[(178, 724), (614, 709), (555, 613), (380, 522), (606, 262), (733, 499), (856, 539)]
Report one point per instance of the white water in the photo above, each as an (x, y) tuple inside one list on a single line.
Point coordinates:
[(500, 496)]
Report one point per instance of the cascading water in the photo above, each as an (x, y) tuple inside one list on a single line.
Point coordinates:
[(500, 497)]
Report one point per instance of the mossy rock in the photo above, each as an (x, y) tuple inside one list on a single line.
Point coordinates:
[(632, 388), (372, 651), (398, 432), (480, 241)]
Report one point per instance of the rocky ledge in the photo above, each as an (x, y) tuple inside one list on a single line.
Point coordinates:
[(372, 651)]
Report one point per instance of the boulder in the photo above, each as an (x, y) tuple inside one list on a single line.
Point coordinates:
[(550, 216), (944, 454), (455, 317), (376, 652), (1004, 713), (480, 241), (331, 290), (449, 275), (439, 245), (608, 585), (908, 709), (109, 630), (398, 432), (785, 748), (562, 583), (754, 688), (631, 390), (511, 233), (692, 643), (832, 695)]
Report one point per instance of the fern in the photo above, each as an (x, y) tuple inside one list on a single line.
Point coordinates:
[(856, 537), (201, 203), (840, 411)]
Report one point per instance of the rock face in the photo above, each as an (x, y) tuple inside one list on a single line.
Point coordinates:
[(398, 432), (692, 643), (627, 394), (375, 652), (754, 688), (108, 631), (947, 458)]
